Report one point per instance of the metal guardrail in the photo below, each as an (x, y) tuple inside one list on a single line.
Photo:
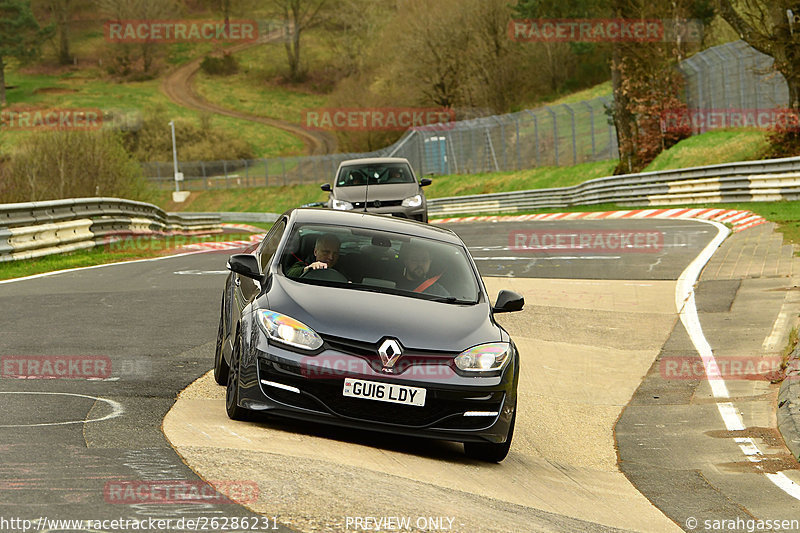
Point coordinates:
[(41, 228), (746, 181), (233, 216), (35, 229)]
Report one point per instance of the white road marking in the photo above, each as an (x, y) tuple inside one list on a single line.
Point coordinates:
[(54, 272), (771, 342), (732, 418), (545, 258), (200, 272), (116, 410)]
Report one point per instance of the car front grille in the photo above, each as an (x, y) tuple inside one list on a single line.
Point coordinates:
[(442, 408), (369, 352), (378, 203)]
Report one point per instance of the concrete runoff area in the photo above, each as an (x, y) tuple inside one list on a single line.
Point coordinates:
[(589, 345), (675, 444), (561, 473)]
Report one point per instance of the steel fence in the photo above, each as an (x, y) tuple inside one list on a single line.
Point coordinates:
[(733, 77), (566, 134)]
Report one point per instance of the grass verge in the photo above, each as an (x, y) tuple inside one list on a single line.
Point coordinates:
[(788, 350), (84, 89), (125, 250), (254, 91), (717, 147), (713, 148)]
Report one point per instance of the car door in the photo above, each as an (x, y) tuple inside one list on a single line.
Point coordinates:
[(247, 289)]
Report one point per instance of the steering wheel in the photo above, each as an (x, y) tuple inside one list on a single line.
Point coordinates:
[(324, 274)]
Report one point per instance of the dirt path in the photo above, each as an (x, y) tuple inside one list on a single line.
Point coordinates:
[(177, 85)]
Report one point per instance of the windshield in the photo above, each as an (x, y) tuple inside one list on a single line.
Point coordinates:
[(378, 261), (354, 175)]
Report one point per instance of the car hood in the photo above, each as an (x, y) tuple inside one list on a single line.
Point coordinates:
[(386, 191), (370, 316)]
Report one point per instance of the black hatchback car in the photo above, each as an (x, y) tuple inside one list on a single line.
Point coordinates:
[(369, 322)]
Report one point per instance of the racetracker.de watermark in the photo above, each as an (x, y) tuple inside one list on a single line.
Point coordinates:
[(378, 118), (689, 120), (408, 366), (126, 242), (180, 492), (84, 119), (586, 241), (605, 30), (55, 366), (180, 31), (725, 368)]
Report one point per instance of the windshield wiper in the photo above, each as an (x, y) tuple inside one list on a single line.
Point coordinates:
[(449, 300)]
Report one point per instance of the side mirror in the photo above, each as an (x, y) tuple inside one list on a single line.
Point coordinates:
[(424, 182), (245, 265), (326, 187), (508, 301)]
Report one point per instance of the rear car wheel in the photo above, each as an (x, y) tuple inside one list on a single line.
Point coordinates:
[(491, 452), (232, 392), (221, 368)]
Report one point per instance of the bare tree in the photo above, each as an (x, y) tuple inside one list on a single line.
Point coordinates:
[(138, 10), (61, 12), (773, 28), (430, 42), (353, 27), (502, 68), (298, 16)]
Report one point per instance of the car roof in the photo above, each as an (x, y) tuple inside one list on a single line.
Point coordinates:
[(373, 161), (312, 215)]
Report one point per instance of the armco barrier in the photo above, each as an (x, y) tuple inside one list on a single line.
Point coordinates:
[(232, 216), (36, 229), (746, 181)]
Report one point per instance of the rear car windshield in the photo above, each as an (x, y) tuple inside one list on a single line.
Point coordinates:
[(355, 175), (380, 261)]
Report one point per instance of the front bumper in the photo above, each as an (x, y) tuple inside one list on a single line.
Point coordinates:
[(419, 213), (457, 408)]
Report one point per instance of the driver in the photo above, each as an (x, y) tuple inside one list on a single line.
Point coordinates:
[(395, 175), (326, 254), (417, 276)]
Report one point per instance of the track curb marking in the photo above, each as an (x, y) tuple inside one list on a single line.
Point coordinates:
[(739, 219)]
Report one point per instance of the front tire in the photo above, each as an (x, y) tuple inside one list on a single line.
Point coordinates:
[(491, 452), (235, 412), (221, 368)]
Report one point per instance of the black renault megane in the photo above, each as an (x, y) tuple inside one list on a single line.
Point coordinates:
[(368, 322)]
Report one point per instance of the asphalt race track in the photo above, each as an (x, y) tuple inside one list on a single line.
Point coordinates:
[(605, 441)]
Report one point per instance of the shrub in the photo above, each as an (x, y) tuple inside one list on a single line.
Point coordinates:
[(71, 164), (195, 141), (220, 66), (783, 142)]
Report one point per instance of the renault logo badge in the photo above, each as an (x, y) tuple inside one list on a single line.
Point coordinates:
[(390, 351)]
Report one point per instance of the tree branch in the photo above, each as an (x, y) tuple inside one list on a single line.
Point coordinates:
[(759, 41)]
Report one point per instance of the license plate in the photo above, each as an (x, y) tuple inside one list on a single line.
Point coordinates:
[(384, 392)]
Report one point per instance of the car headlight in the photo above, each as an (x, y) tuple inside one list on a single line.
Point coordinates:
[(413, 201), (289, 331), (484, 357), (341, 205)]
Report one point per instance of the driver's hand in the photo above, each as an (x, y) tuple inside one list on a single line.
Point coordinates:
[(316, 265)]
